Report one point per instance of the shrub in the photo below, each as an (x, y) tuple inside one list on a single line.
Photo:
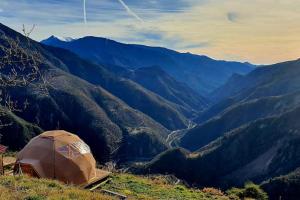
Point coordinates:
[(213, 191), (250, 190)]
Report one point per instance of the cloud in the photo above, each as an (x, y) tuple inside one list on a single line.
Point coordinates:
[(196, 45), (151, 35), (232, 16), (160, 38)]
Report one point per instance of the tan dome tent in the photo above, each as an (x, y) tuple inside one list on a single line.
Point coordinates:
[(62, 156)]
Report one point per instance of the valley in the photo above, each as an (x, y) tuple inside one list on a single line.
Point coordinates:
[(175, 136)]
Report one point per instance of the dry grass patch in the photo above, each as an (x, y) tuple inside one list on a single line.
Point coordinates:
[(25, 188)]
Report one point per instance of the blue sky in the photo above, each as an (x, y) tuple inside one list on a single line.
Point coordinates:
[(259, 31)]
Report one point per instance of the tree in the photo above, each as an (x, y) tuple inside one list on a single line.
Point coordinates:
[(19, 67)]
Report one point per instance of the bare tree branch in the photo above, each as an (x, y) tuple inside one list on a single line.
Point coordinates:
[(20, 66)]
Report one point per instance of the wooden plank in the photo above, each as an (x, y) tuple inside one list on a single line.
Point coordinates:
[(100, 184), (121, 196)]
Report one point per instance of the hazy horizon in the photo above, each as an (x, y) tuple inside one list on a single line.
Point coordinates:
[(259, 32)]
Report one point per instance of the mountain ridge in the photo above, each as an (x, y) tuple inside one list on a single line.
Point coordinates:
[(201, 73)]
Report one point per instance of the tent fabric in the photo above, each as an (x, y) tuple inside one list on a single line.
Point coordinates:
[(61, 155)]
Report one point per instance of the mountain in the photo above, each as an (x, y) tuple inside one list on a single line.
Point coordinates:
[(266, 91), (258, 151), (237, 115), (76, 100), (272, 80), (201, 73), (165, 112), (252, 133), (158, 81)]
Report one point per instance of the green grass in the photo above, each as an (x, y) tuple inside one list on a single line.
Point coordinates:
[(134, 187), (25, 188), (158, 187)]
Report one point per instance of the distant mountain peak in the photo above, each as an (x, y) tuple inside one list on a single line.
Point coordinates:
[(54, 38)]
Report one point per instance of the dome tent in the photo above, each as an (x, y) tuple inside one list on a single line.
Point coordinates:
[(62, 156)]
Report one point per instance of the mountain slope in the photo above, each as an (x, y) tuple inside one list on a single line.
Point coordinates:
[(158, 81), (252, 134), (161, 110), (266, 91), (104, 121), (284, 187), (201, 73), (273, 80), (16, 132), (238, 115), (258, 151)]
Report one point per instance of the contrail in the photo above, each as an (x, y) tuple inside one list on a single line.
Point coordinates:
[(84, 11), (130, 12)]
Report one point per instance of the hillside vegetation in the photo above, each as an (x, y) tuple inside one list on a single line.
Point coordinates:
[(158, 187), (25, 188), (135, 187)]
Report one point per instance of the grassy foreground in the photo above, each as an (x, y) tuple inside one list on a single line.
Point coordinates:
[(135, 187), (25, 188), (158, 187)]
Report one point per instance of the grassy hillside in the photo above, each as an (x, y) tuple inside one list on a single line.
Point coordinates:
[(25, 188), (135, 187), (158, 187)]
